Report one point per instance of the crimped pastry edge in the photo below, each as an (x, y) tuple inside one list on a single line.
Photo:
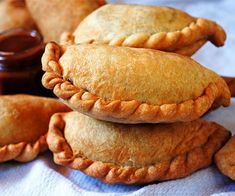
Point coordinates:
[(190, 49), (68, 39), (126, 111), (23, 151), (201, 29), (180, 166)]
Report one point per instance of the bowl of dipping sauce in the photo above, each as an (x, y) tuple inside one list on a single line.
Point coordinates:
[(20, 62)]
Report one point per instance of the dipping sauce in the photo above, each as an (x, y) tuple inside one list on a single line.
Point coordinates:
[(18, 43), (20, 62)]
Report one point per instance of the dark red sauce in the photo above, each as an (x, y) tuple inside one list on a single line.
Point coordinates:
[(20, 62), (18, 43)]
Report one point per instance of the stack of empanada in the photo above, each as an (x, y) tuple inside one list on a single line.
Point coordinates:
[(122, 88)]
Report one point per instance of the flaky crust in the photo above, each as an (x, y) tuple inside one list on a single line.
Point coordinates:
[(24, 123), (61, 15), (225, 159), (105, 26), (125, 111), (130, 154)]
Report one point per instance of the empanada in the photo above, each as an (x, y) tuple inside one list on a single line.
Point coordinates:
[(130, 85), (14, 14), (161, 28), (117, 153), (56, 16), (225, 159), (24, 123)]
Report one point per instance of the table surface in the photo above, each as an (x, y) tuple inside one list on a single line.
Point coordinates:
[(43, 177)]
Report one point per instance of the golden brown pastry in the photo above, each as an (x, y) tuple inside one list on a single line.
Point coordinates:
[(130, 85), (14, 14), (117, 153), (54, 17), (161, 28), (225, 159), (24, 123)]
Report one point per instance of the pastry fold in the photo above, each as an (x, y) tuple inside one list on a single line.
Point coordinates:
[(24, 123), (154, 27), (225, 159), (117, 153), (53, 17), (130, 85)]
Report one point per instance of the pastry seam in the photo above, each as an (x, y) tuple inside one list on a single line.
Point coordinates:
[(176, 167), (132, 111), (23, 151), (68, 39), (170, 41)]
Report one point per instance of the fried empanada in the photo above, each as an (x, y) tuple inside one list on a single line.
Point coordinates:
[(14, 14), (117, 153), (225, 159), (53, 17), (24, 123), (161, 28), (130, 85)]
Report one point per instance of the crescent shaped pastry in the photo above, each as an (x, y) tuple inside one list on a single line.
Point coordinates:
[(24, 123), (130, 85), (53, 17), (161, 28), (117, 153), (13, 14), (225, 159)]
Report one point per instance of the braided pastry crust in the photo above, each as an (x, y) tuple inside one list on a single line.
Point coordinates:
[(23, 151), (68, 39), (167, 167), (170, 41)]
